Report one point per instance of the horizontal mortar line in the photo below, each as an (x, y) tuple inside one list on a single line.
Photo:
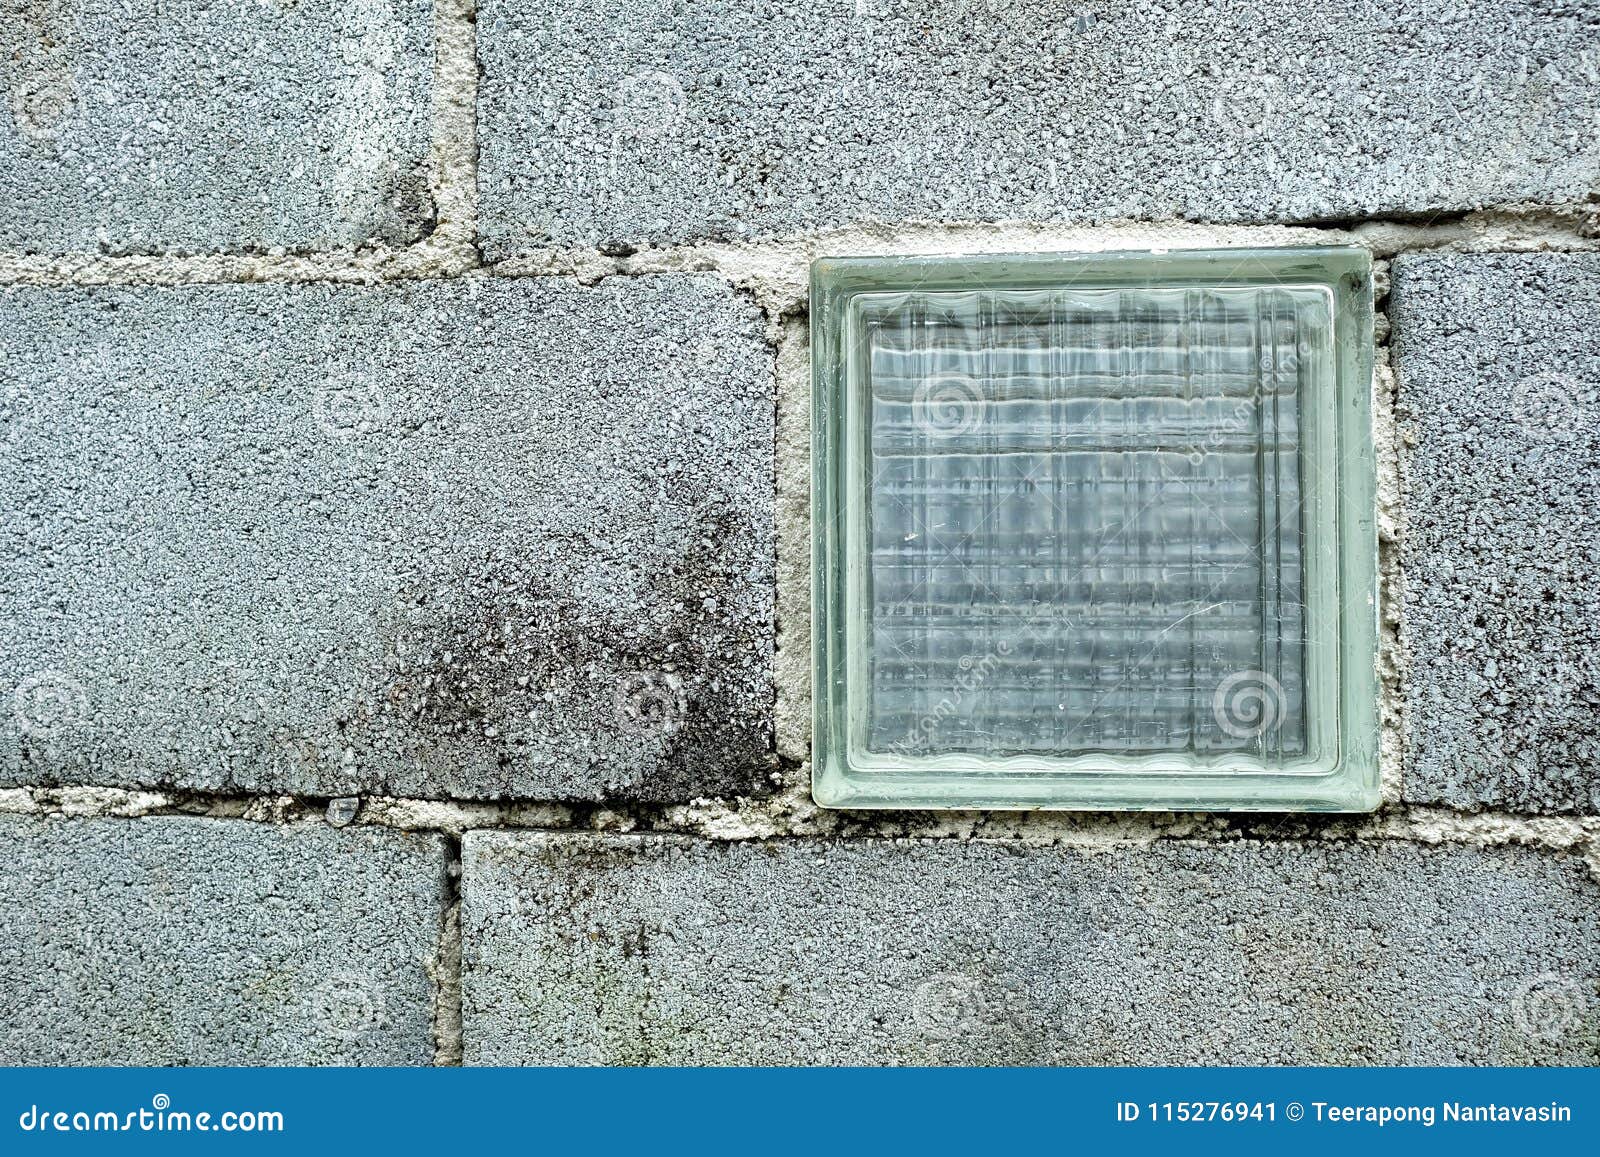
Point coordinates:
[(1508, 228), (1427, 823), (437, 262), (785, 256)]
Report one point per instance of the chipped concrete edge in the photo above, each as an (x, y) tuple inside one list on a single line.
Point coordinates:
[(450, 250)]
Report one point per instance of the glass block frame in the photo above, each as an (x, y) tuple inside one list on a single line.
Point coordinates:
[(1336, 769)]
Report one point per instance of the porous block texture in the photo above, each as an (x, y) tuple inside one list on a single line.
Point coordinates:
[(648, 121), (143, 126), (474, 539), (662, 950), (1498, 358), (172, 941)]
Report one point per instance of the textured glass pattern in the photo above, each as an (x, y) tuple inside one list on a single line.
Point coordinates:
[(1085, 521), (1095, 531)]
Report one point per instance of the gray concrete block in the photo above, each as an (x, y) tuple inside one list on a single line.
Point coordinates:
[(1498, 359), (171, 941), (142, 126), (659, 950), (640, 121), (478, 538)]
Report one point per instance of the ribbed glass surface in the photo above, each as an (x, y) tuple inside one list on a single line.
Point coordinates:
[(1083, 525)]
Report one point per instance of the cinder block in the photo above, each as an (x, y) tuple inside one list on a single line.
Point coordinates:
[(144, 126), (1499, 368), (647, 121), (660, 950), (171, 941), (478, 538)]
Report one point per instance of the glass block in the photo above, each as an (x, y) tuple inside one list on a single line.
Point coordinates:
[(1095, 531)]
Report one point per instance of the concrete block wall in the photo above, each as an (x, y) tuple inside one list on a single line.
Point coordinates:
[(404, 453)]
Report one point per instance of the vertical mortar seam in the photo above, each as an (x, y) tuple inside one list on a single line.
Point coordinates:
[(1390, 523), (445, 966), (454, 144)]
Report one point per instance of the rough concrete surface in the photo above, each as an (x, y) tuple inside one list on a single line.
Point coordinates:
[(473, 539), (632, 121), (156, 127), (193, 941), (1498, 359), (629, 949)]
